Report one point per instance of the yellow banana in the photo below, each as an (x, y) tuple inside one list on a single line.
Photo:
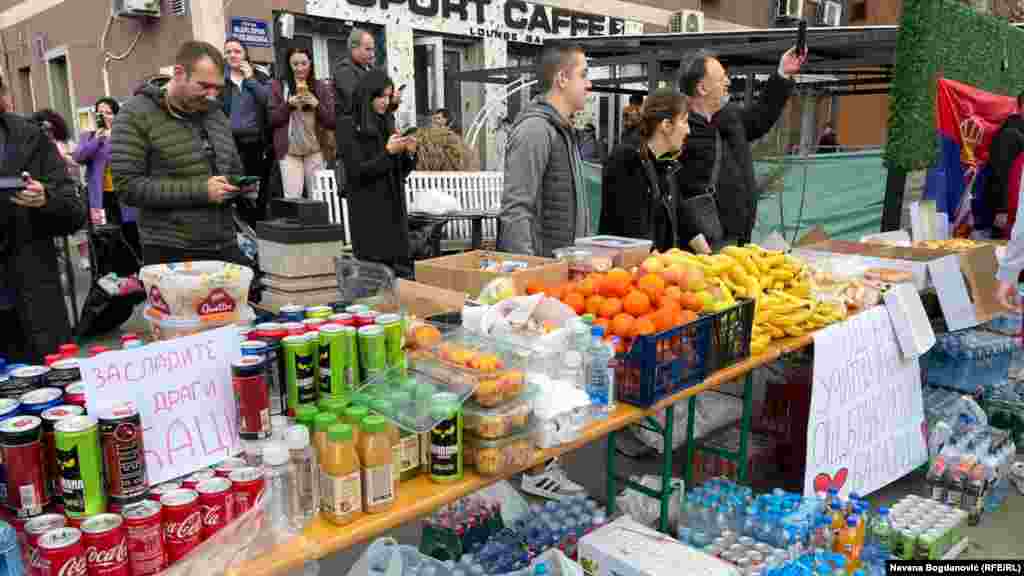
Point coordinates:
[(783, 274), (793, 331), (775, 331), (793, 319)]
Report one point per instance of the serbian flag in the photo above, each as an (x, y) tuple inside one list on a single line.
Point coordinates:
[(967, 118)]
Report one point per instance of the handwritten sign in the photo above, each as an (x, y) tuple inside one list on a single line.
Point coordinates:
[(182, 388), (866, 425)]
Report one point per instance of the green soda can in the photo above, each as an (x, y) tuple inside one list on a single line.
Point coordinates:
[(359, 398), (393, 335), (80, 465), (336, 405), (299, 360), (349, 341), (333, 360), (319, 312), (373, 351), (446, 438), (305, 414)]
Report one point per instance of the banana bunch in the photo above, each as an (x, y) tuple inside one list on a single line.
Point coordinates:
[(771, 269), (781, 314)]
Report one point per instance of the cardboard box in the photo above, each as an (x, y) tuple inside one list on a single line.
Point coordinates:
[(463, 273), (422, 300), (965, 282), (626, 548)]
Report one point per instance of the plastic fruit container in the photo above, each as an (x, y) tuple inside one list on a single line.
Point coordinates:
[(409, 397), (493, 423), (169, 328), (498, 457), (498, 370)]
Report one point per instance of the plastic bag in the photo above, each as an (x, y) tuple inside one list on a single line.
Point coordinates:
[(714, 411), (644, 509), (434, 202), (497, 290)]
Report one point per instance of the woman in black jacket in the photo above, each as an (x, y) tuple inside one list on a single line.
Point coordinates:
[(631, 204), (377, 161)]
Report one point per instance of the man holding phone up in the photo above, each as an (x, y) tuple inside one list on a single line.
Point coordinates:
[(175, 159), (38, 202)]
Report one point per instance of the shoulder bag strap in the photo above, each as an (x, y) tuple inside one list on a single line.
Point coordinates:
[(712, 187), (657, 198)]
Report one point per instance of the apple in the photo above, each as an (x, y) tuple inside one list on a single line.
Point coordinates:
[(674, 274), (694, 278), (706, 299), (652, 265)]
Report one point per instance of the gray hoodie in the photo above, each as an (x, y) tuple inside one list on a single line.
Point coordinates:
[(543, 204)]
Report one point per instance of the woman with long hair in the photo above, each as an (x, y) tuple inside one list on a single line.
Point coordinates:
[(56, 128), (302, 108), (640, 192), (377, 161)]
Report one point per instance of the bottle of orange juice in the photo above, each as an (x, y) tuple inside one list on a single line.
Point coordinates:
[(838, 523), (848, 545)]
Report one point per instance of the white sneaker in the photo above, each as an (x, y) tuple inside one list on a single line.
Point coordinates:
[(552, 483)]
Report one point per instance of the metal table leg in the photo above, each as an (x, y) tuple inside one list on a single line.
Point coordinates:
[(740, 457), (478, 233), (691, 444), (664, 493), (611, 483), (745, 425)]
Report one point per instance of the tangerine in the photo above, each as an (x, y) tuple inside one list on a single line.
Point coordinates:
[(610, 308), (673, 292), (576, 301), (622, 325), (555, 292), (534, 287), (652, 284), (664, 319), (688, 316), (616, 287), (637, 303), (586, 287), (645, 327), (593, 304), (690, 301), (619, 275)]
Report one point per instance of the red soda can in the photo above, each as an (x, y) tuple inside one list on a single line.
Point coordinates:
[(183, 523), (61, 553), (21, 447), (106, 546), (229, 465), (294, 328), (217, 503), (143, 527), (51, 359), (128, 337), (69, 350), (97, 350), (368, 318), (247, 485), (157, 492), (192, 481), (124, 458), (252, 395), (34, 528), (75, 394), (343, 319)]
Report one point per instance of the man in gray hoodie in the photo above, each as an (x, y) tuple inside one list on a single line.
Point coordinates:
[(544, 205)]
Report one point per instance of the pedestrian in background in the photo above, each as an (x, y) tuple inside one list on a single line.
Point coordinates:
[(32, 308), (301, 109), (172, 156), (246, 101)]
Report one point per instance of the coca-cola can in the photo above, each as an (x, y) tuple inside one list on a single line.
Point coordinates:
[(143, 526), (61, 553), (157, 492), (192, 481), (183, 523), (106, 546), (217, 503), (247, 486), (229, 465), (75, 394), (34, 528)]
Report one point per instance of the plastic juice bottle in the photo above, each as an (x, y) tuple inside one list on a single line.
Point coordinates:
[(847, 543), (838, 523), (340, 484), (378, 465), (935, 485), (354, 415), (321, 423)]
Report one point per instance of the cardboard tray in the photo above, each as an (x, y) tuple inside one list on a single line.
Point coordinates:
[(462, 273)]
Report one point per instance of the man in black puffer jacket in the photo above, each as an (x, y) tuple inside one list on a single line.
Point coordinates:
[(706, 82)]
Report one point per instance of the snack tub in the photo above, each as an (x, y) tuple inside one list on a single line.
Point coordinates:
[(497, 457), (970, 360), (209, 290), (163, 327), (499, 369), (659, 365), (493, 423)]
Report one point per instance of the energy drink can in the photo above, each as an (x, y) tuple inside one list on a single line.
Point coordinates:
[(123, 454), (446, 449), (37, 401), (394, 337), (323, 312), (50, 418), (21, 446), (252, 396), (299, 369), (292, 313), (64, 372), (373, 351), (80, 461), (333, 361)]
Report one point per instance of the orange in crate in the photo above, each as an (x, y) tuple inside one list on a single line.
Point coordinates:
[(637, 303), (593, 304), (652, 285), (534, 287), (586, 287), (645, 327), (622, 325), (610, 308), (576, 301)]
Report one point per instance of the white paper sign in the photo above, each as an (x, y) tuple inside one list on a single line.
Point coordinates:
[(957, 308), (866, 426), (183, 390)]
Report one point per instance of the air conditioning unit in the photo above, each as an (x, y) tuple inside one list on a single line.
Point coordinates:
[(137, 8), (688, 21), (830, 13), (791, 9)]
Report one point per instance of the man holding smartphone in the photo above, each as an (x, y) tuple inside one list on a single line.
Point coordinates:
[(38, 202), (173, 156)]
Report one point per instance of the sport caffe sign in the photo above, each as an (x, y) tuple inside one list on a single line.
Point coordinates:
[(519, 21)]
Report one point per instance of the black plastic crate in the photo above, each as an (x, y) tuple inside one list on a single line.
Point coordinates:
[(730, 335), (663, 364)]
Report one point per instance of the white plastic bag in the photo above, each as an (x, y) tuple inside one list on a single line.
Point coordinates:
[(644, 509), (714, 410), (434, 202)]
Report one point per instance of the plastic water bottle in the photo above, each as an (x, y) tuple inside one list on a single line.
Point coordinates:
[(280, 493), (600, 381), (881, 530), (306, 478)]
